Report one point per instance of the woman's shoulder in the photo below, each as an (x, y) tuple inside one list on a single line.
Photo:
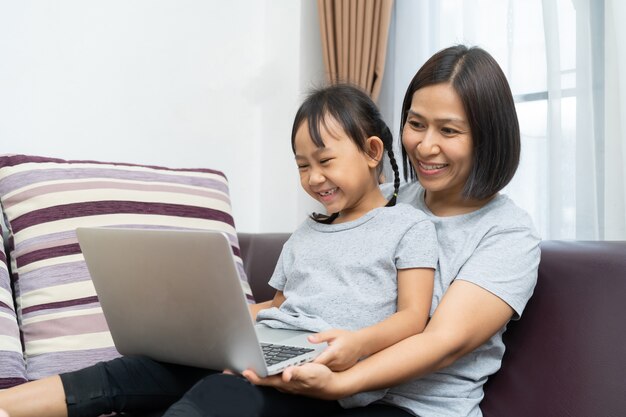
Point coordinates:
[(500, 225), (506, 214)]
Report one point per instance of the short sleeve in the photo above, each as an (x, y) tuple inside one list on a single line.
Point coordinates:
[(418, 247), (279, 277), (506, 263)]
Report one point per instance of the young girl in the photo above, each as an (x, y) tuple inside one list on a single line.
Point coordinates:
[(361, 275), (338, 270)]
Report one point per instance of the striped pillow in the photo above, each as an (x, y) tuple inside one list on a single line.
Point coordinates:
[(12, 369), (45, 200)]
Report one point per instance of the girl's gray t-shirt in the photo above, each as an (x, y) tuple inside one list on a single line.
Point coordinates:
[(345, 275), (496, 248)]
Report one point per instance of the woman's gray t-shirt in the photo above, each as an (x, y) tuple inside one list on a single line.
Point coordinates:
[(496, 248)]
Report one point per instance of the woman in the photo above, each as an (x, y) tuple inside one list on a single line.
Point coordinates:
[(460, 136)]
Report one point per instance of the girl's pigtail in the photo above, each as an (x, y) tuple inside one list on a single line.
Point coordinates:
[(396, 178), (324, 219), (387, 139)]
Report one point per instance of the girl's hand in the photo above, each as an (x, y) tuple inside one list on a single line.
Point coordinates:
[(310, 379), (343, 351)]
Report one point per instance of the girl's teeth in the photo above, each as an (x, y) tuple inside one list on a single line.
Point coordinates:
[(329, 192)]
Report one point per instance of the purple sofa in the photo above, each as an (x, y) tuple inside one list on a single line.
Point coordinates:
[(566, 357)]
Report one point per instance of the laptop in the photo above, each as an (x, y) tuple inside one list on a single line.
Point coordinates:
[(175, 296)]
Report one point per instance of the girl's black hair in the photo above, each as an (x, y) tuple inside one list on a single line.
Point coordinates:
[(359, 118)]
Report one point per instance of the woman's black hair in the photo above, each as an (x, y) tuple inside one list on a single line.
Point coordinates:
[(357, 115), (488, 103)]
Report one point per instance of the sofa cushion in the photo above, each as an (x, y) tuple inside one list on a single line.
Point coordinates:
[(565, 357), (44, 200), (12, 369)]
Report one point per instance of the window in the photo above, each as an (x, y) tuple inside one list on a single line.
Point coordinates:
[(552, 52)]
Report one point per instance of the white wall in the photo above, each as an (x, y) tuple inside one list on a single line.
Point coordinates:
[(181, 83)]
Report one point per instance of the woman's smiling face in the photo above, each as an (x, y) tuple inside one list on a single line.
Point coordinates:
[(437, 139)]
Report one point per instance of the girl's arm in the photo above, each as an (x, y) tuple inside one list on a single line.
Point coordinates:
[(278, 299), (466, 318), (415, 291)]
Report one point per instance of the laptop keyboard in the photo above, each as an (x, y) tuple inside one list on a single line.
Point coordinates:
[(279, 353)]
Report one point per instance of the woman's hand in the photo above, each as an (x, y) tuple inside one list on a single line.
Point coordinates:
[(311, 380), (343, 351)]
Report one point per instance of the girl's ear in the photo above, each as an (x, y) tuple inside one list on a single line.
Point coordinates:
[(374, 148)]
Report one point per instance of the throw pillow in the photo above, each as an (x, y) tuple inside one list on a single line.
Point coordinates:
[(46, 199), (12, 369)]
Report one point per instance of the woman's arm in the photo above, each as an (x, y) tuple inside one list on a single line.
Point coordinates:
[(467, 317), (415, 291)]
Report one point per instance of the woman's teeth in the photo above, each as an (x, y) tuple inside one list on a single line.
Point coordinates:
[(432, 166)]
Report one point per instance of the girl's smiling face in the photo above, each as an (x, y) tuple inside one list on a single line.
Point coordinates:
[(437, 139), (339, 175)]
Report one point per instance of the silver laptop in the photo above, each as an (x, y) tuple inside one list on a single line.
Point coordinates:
[(175, 296)]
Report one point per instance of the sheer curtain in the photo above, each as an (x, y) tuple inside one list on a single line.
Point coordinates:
[(615, 132), (563, 59)]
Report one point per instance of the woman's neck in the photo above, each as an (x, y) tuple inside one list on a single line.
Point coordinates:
[(443, 204)]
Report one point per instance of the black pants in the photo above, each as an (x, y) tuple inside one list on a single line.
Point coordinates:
[(141, 385)]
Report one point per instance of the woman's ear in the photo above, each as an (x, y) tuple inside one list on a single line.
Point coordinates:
[(374, 148)]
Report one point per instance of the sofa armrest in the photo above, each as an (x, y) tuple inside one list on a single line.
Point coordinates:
[(260, 253)]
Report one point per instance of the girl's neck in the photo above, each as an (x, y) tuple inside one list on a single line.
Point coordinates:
[(444, 204), (368, 202)]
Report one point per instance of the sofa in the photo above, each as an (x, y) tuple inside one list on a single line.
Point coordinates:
[(566, 357)]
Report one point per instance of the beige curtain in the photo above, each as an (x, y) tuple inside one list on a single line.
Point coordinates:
[(354, 41)]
